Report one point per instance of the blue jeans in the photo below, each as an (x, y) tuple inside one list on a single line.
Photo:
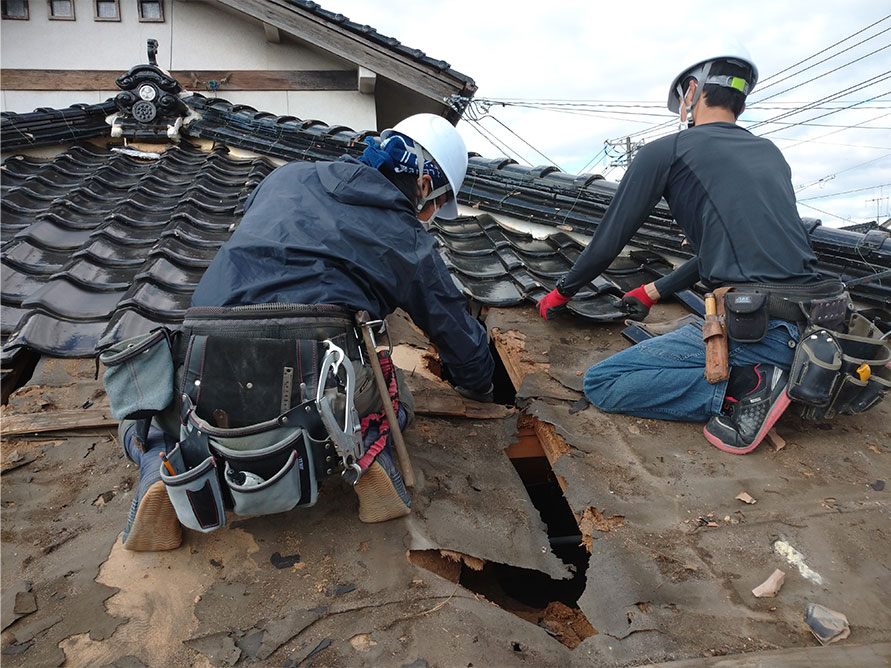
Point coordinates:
[(663, 377)]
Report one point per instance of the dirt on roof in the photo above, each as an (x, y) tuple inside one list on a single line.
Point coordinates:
[(550, 535)]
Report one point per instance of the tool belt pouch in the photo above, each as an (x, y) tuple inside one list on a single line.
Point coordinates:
[(138, 378), (836, 373), (266, 468), (746, 315), (195, 492)]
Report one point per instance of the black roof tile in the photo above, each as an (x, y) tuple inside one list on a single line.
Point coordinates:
[(93, 225)]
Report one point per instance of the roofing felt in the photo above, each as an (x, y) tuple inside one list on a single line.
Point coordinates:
[(99, 245)]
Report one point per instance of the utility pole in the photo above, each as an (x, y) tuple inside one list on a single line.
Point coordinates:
[(627, 152), (878, 201)]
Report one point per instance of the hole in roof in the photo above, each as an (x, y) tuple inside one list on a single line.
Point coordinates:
[(504, 392), (529, 594)]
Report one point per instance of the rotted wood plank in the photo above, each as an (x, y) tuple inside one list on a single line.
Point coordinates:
[(57, 420)]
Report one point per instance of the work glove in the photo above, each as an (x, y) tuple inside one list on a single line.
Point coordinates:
[(486, 397), (551, 304), (637, 303)]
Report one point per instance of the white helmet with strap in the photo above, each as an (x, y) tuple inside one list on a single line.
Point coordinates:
[(440, 140), (700, 70)]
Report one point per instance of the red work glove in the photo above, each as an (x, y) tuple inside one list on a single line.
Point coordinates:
[(637, 303), (549, 304)]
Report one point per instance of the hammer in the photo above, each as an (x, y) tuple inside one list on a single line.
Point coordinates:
[(408, 474)]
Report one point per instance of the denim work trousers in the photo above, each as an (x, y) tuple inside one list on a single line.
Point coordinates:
[(664, 377)]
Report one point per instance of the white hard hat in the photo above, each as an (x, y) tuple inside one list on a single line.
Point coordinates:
[(731, 50), (441, 140)]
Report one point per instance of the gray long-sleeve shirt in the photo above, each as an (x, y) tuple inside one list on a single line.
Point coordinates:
[(730, 192)]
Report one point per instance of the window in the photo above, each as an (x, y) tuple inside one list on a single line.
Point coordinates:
[(15, 9), (107, 10), (151, 10), (61, 10)]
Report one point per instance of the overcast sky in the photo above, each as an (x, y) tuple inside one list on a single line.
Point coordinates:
[(627, 53)]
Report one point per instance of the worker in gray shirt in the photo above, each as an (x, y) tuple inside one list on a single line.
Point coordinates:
[(731, 193)]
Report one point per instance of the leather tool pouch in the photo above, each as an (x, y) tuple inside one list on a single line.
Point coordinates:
[(835, 373), (746, 315), (251, 439)]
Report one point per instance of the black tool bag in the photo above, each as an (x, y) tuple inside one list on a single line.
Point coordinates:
[(840, 373), (251, 438)]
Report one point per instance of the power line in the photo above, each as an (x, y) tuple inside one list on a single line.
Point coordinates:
[(827, 213), (831, 46), (521, 139), (820, 76), (828, 113), (834, 55), (844, 192), (866, 83), (842, 129), (841, 171), (500, 146)]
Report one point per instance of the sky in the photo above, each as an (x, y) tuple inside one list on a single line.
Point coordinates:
[(608, 65)]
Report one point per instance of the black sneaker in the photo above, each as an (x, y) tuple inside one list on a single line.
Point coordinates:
[(751, 416)]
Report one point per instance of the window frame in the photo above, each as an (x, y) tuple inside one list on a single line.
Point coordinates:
[(53, 17), (12, 17), (143, 19), (117, 9)]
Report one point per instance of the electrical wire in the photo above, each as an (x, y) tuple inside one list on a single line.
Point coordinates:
[(844, 192), (841, 171), (828, 113), (827, 213), (828, 134), (824, 74), (521, 139), (831, 46), (834, 55), (866, 83)]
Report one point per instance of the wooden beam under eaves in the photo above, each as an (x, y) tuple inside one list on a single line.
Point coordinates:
[(192, 80), (329, 37)]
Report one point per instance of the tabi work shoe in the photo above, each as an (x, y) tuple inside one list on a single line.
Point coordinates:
[(752, 415), (381, 492), (152, 524)]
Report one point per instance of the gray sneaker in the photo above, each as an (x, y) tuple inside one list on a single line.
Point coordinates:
[(751, 416)]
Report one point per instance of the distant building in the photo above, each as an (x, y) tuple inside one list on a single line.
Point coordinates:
[(289, 58)]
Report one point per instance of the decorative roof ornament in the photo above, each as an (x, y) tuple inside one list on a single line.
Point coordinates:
[(149, 104)]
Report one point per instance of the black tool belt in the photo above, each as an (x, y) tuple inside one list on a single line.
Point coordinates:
[(251, 438), (798, 303)]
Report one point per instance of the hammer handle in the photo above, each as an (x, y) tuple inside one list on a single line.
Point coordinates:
[(408, 474), (716, 361)]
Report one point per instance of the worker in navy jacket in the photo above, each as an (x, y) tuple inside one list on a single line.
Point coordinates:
[(350, 233)]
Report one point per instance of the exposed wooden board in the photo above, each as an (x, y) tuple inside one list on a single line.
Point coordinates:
[(330, 37), (21, 79), (57, 420), (526, 445), (511, 346)]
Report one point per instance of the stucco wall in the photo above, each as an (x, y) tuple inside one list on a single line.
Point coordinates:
[(194, 35)]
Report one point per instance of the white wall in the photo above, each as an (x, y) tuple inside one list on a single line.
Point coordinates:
[(194, 35)]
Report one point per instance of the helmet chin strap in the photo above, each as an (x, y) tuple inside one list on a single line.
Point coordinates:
[(422, 156), (701, 76)]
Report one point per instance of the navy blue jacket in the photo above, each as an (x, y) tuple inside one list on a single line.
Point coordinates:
[(341, 233)]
